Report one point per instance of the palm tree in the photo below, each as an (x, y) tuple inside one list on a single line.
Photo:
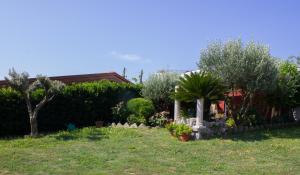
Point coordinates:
[(198, 86)]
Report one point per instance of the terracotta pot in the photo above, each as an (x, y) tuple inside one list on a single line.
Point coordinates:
[(184, 137), (99, 124)]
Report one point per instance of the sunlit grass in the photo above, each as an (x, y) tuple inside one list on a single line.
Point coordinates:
[(151, 151)]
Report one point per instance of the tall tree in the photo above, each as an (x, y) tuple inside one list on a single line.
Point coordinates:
[(286, 93), (21, 83), (141, 76), (248, 68), (124, 72)]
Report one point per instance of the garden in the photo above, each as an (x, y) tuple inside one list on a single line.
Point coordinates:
[(241, 102)]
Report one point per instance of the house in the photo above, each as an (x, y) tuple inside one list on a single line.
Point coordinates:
[(69, 79)]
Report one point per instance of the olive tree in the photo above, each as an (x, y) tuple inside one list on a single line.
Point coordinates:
[(159, 87), (248, 68), (21, 83)]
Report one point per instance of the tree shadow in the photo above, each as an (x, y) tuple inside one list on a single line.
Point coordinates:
[(91, 134), (251, 136)]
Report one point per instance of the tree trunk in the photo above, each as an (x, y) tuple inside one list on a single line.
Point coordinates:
[(33, 126)]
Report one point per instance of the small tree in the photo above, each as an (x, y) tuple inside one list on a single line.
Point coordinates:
[(21, 83), (286, 93), (199, 86), (248, 68), (159, 87)]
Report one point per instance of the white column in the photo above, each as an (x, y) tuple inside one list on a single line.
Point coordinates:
[(176, 108), (200, 111)]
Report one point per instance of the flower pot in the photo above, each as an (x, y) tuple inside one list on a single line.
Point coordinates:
[(99, 124), (184, 137)]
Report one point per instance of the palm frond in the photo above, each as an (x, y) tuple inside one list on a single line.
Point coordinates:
[(199, 85)]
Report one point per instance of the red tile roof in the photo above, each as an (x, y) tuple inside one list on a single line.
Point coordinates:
[(68, 79)]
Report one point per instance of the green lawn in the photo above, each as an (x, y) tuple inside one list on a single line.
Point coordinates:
[(151, 151)]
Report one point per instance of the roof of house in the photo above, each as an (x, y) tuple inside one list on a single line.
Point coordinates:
[(69, 79)]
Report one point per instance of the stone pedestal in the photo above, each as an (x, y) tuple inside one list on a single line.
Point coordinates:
[(200, 132)]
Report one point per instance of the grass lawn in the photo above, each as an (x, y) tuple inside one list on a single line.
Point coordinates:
[(151, 151)]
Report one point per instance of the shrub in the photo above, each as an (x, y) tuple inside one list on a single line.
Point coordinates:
[(159, 87), (230, 122), (81, 104), (159, 119), (141, 109), (138, 119), (120, 112)]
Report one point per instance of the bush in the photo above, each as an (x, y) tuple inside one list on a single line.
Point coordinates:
[(230, 122), (141, 109), (159, 88), (138, 119), (81, 104), (159, 119), (120, 112)]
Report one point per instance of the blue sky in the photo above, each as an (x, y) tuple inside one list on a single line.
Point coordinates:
[(62, 37)]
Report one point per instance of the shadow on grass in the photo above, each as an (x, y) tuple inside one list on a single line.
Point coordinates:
[(250, 136), (91, 134)]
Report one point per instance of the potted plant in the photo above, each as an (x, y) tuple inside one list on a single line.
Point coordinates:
[(183, 132), (171, 127)]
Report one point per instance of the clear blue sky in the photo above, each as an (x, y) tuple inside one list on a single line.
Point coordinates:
[(61, 37)]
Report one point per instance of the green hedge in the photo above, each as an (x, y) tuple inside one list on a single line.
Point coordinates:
[(80, 104)]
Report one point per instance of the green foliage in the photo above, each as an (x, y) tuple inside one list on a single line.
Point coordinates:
[(198, 85), (249, 68), (120, 112), (21, 83), (141, 109), (182, 129), (179, 129), (80, 104), (171, 127), (135, 118), (159, 119), (230, 122), (286, 93), (159, 87)]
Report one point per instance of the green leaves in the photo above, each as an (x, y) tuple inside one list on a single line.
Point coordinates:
[(159, 87), (19, 82), (199, 85), (249, 66)]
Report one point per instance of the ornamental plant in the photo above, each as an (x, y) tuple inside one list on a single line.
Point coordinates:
[(159, 87), (141, 109), (182, 129), (199, 86), (171, 127), (248, 68), (21, 83)]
